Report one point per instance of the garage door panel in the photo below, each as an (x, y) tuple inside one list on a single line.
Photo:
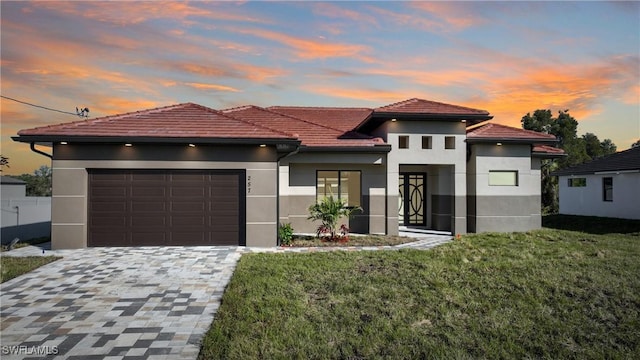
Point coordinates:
[(166, 207), (148, 238), (187, 221), (146, 191), (108, 220), (197, 192), (108, 192), (148, 206), (108, 206), (188, 206), (148, 221)]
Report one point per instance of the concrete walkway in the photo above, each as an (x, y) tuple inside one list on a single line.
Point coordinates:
[(126, 303)]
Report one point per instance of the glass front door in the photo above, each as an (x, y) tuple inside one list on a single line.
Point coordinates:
[(412, 201)]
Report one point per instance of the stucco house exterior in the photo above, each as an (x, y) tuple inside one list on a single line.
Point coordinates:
[(605, 187), (191, 175)]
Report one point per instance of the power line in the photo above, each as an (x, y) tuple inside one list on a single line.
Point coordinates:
[(41, 107)]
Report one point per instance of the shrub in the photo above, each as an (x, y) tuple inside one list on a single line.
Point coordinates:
[(329, 211), (285, 234)]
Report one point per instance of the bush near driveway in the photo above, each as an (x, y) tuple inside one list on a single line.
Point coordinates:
[(543, 294)]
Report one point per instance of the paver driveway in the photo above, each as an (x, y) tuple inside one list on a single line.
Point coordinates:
[(116, 303)]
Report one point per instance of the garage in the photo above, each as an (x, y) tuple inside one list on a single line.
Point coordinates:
[(166, 207)]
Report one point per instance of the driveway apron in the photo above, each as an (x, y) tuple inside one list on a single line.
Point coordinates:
[(116, 303)]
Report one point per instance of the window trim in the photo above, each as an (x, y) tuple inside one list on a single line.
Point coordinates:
[(340, 185), (605, 188), (517, 177)]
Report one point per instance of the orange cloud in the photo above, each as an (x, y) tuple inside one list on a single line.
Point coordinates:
[(202, 86), (450, 15), (333, 11), (310, 49), (127, 13)]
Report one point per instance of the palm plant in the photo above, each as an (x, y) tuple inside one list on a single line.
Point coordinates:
[(329, 211)]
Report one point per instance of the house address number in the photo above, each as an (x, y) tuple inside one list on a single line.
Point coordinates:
[(249, 184)]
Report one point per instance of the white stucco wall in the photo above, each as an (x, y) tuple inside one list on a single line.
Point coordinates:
[(588, 200)]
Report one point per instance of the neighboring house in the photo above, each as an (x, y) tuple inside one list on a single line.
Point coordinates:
[(23, 217), (606, 187), (191, 175)]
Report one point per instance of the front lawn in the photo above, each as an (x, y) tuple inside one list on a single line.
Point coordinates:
[(16, 266), (543, 294)]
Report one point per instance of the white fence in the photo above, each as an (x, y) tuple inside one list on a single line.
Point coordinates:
[(25, 218)]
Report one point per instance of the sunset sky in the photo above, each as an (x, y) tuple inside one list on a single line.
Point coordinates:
[(509, 58)]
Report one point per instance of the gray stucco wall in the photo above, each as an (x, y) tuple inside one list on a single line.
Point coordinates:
[(446, 169), (503, 208), (298, 189), (70, 182)]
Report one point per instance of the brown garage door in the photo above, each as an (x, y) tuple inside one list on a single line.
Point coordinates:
[(166, 207)]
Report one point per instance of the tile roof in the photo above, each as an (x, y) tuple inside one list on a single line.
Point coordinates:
[(620, 161), (547, 151), (177, 121), (420, 106), (343, 119), (309, 133), (491, 132)]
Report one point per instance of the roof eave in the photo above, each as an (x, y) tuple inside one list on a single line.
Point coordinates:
[(382, 148), (149, 140), (474, 140), (545, 155)]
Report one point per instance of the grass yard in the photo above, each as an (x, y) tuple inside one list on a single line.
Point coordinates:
[(16, 266), (354, 240), (543, 294)]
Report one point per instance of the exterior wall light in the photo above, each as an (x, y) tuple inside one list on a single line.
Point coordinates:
[(128, 145), (192, 145), (463, 121), (63, 143), (263, 145), (394, 120), (499, 144)]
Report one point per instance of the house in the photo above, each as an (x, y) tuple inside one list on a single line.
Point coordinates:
[(605, 187), (191, 175), (23, 217)]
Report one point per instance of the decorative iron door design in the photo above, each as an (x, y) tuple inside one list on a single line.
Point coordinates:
[(412, 201)]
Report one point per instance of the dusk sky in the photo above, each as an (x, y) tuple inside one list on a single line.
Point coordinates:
[(509, 58)]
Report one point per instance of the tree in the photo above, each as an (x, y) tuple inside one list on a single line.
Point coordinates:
[(635, 144), (4, 161), (38, 183), (578, 149), (596, 148)]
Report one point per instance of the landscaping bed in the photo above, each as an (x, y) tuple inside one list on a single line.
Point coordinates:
[(351, 240), (541, 294)]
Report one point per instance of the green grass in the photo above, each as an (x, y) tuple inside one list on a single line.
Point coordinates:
[(544, 294), (354, 240), (16, 266)]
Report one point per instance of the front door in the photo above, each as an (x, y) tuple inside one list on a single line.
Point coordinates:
[(412, 201)]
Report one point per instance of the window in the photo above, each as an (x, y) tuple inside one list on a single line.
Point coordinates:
[(403, 142), (607, 189), (344, 185), (426, 142), (503, 178), (449, 142), (578, 182)]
